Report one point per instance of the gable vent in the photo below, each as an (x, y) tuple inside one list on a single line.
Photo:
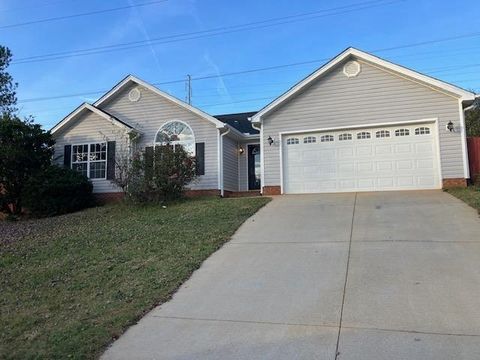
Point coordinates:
[(351, 68), (134, 95)]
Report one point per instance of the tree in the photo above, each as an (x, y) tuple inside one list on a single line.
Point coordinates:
[(25, 149), (8, 98), (472, 120)]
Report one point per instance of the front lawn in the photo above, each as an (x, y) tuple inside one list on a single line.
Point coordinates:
[(470, 195), (72, 284)]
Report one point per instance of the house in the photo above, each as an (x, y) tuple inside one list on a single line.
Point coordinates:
[(359, 123)]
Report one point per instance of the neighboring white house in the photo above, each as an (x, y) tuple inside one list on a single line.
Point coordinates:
[(359, 123)]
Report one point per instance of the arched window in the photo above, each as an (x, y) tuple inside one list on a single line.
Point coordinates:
[(326, 138), (346, 136), (382, 134), (402, 132), (309, 140), (422, 131), (292, 141), (363, 135), (176, 133)]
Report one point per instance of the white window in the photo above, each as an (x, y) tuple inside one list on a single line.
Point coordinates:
[(326, 138), (176, 133), (309, 139), (364, 135), (343, 137), (382, 134), (422, 131), (90, 160), (293, 141), (402, 132)]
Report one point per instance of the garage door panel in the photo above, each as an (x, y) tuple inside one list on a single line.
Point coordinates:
[(356, 164)]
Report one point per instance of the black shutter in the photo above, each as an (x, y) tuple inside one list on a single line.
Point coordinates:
[(67, 156), (148, 157), (111, 160), (200, 158)]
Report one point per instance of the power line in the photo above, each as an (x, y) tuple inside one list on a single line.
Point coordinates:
[(58, 18), (206, 33)]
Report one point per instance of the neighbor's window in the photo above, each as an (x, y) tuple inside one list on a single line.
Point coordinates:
[(292, 141), (343, 137), (402, 132), (382, 134), (309, 139), (326, 138), (422, 131), (176, 133), (363, 135), (90, 160)]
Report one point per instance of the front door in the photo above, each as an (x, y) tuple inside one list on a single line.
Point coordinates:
[(253, 167)]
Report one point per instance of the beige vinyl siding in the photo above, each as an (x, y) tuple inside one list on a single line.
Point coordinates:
[(91, 128), (374, 96), (230, 164), (152, 111)]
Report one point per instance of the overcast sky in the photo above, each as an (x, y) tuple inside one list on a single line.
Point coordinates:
[(224, 37)]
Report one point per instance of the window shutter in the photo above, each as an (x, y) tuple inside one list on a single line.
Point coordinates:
[(111, 160), (148, 157), (200, 158), (67, 156)]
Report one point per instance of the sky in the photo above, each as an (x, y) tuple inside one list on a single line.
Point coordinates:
[(247, 52)]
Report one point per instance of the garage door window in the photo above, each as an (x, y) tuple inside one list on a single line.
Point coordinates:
[(326, 138), (363, 135), (293, 141), (422, 131), (309, 140), (343, 137), (382, 134), (402, 132)]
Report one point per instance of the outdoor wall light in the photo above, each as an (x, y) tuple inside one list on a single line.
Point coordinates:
[(241, 150), (270, 140), (450, 126)]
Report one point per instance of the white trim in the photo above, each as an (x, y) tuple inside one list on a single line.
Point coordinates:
[(222, 185), (131, 78), (439, 157), (336, 128), (219, 163), (88, 160), (462, 94), (281, 163), (262, 163), (175, 142), (86, 106), (463, 134)]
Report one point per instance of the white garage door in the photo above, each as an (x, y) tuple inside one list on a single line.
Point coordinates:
[(386, 158)]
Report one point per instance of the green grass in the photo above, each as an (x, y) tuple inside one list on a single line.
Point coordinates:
[(470, 195), (72, 284)]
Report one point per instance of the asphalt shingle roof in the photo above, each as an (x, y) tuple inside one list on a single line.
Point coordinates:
[(239, 121)]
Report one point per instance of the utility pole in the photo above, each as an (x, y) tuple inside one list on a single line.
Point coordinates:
[(188, 90)]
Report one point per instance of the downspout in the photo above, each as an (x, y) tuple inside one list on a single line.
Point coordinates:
[(259, 127), (220, 152)]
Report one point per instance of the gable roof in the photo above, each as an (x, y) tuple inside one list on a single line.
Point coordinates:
[(130, 78), (239, 121), (416, 76), (87, 107)]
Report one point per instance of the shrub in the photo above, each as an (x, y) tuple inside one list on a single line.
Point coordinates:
[(57, 190), (159, 174)]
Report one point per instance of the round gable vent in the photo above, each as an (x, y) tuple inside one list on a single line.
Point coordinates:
[(134, 95), (351, 68)]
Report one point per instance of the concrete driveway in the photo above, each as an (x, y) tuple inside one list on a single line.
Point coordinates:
[(390, 275)]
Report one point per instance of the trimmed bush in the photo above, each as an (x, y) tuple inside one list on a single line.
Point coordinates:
[(56, 191)]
